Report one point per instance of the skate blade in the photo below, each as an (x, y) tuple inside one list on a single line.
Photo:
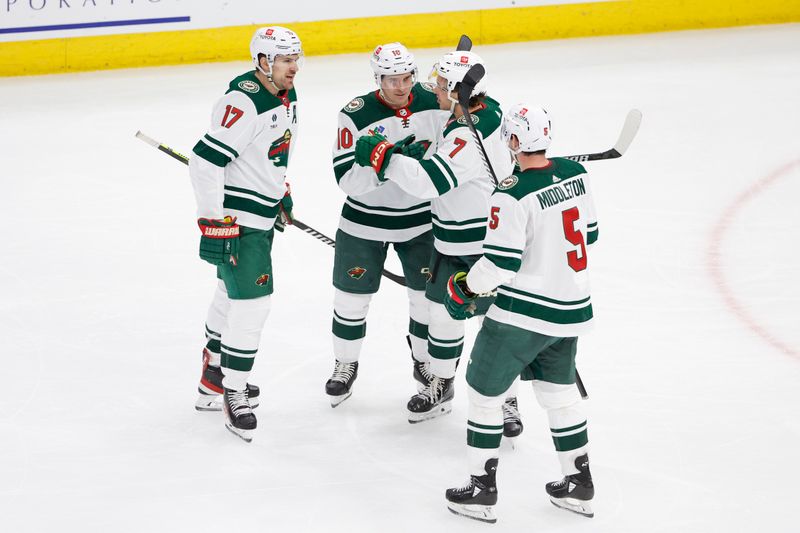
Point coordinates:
[(207, 402), (580, 507), (482, 513), (244, 434), (336, 400), (512, 441), (439, 410)]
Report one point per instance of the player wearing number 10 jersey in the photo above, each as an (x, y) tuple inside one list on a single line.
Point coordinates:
[(377, 214), (541, 221)]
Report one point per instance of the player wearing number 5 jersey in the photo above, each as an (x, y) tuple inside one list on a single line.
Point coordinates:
[(459, 184), (378, 214), (541, 221), (238, 173)]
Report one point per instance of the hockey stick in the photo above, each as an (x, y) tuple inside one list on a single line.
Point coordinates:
[(629, 130), (300, 225), (471, 79)]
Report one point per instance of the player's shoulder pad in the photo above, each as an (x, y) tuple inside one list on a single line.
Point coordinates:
[(365, 110), (567, 168), (520, 184), (424, 98), (248, 85)]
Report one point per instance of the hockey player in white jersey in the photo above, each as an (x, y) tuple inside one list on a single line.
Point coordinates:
[(238, 173), (378, 214), (541, 222), (459, 184)]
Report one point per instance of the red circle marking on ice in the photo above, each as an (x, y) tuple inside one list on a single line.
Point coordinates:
[(715, 257)]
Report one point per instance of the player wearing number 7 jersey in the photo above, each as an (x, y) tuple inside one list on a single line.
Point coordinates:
[(541, 221)]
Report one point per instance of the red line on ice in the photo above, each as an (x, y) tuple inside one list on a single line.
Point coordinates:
[(714, 258)]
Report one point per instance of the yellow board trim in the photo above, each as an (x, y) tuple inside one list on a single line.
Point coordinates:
[(486, 26)]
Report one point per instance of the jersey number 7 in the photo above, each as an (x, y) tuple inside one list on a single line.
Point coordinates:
[(569, 217)]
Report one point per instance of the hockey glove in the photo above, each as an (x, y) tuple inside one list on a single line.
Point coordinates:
[(220, 241), (374, 151), (409, 148), (460, 301), (285, 216)]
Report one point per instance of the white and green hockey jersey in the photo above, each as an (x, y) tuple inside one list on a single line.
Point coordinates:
[(374, 210), (239, 166), (457, 180), (541, 222)]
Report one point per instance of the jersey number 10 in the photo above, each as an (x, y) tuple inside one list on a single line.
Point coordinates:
[(569, 217)]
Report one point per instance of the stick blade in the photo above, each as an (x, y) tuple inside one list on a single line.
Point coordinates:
[(629, 130), (464, 44), (474, 75)]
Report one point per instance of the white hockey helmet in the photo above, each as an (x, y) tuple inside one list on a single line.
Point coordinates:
[(273, 41), (390, 59), (453, 66), (531, 125)]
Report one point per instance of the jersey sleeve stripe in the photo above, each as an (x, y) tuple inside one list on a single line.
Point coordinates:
[(436, 176), (499, 250), (511, 264), (446, 167), (453, 223), (211, 155), (592, 236), (247, 192), (342, 168), (221, 146), (340, 157), (248, 205)]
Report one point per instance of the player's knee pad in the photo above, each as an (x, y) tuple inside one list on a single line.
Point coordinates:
[(218, 309), (351, 305), (555, 395), (442, 325), (246, 318), (418, 306), (485, 409)]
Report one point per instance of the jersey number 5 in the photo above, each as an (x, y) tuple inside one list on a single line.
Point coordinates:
[(234, 113), (574, 260)]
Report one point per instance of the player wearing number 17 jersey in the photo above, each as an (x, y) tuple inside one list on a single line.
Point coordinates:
[(238, 171), (541, 222)]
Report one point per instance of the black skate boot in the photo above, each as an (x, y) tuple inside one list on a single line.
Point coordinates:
[(422, 374), (210, 388), (239, 417), (476, 499), (340, 386), (574, 492), (512, 423), (434, 400)]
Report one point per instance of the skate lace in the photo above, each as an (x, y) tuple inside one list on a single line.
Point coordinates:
[(466, 487), (238, 402), (434, 391), (343, 372), (423, 369), (510, 411)]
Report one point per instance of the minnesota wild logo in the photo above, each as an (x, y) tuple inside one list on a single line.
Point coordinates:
[(279, 150), (263, 279), (357, 272)]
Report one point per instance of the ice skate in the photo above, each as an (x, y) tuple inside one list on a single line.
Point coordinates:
[(512, 422), (574, 492), (210, 388), (239, 417), (422, 374), (434, 400), (340, 386), (477, 498)]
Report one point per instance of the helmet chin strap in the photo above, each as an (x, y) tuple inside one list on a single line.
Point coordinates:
[(268, 76)]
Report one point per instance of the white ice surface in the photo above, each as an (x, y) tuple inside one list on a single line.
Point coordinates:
[(693, 368)]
